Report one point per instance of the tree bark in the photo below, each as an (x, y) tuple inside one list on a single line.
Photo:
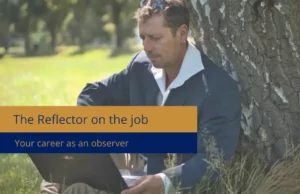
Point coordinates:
[(116, 18), (4, 34), (258, 43), (53, 39), (80, 10), (27, 25)]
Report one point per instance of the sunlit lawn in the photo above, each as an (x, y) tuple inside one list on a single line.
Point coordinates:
[(53, 80), (37, 81)]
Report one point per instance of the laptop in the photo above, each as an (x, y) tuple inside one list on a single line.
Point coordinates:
[(97, 170)]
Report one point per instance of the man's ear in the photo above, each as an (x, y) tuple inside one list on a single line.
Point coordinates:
[(183, 32)]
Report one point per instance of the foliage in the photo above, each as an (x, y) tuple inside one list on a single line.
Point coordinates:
[(66, 22), (248, 174)]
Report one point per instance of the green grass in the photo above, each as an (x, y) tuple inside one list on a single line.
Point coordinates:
[(53, 80), (46, 81), (18, 175)]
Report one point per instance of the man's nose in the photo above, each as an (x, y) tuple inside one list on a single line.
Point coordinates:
[(148, 45)]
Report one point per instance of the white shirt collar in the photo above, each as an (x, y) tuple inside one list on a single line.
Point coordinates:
[(192, 64)]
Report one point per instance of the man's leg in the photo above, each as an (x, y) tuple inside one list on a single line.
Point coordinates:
[(81, 188), (78, 188), (49, 188)]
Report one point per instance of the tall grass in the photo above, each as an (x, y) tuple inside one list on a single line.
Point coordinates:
[(250, 174), (18, 175)]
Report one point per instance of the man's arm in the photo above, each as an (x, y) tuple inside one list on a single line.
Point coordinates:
[(111, 91), (219, 119)]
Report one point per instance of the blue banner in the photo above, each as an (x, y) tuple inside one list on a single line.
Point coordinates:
[(98, 142)]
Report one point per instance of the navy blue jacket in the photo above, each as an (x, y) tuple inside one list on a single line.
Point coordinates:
[(212, 90)]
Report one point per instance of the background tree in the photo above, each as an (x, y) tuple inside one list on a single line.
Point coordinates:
[(46, 24), (54, 16), (121, 14), (80, 8), (29, 13), (9, 11), (257, 42), (122, 17)]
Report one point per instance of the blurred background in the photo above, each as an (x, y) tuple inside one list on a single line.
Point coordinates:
[(38, 27), (49, 50)]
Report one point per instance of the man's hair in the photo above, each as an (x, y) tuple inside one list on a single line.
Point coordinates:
[(175, 15)]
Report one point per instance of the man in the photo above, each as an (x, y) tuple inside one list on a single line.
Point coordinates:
[(171, 71)]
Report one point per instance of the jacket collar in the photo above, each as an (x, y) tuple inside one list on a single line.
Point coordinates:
[(191, 65)]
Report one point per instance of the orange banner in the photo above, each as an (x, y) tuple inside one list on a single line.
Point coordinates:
[(98, 119)]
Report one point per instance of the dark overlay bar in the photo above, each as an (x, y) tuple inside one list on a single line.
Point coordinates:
[(98, 142)]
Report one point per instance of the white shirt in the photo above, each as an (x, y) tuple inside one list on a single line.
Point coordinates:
[(191, 65)]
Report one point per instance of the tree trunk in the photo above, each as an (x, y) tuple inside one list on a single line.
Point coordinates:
[(26, 33), (258, 43), (27, 43), (116, 12), (53, 38), (80, 10), (4, 34)]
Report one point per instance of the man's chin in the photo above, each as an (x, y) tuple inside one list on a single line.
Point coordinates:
[(157, 66)]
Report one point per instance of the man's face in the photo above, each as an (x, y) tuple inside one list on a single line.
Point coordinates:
[(161, 46)]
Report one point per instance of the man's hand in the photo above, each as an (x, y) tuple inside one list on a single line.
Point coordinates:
[(146, 185)]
